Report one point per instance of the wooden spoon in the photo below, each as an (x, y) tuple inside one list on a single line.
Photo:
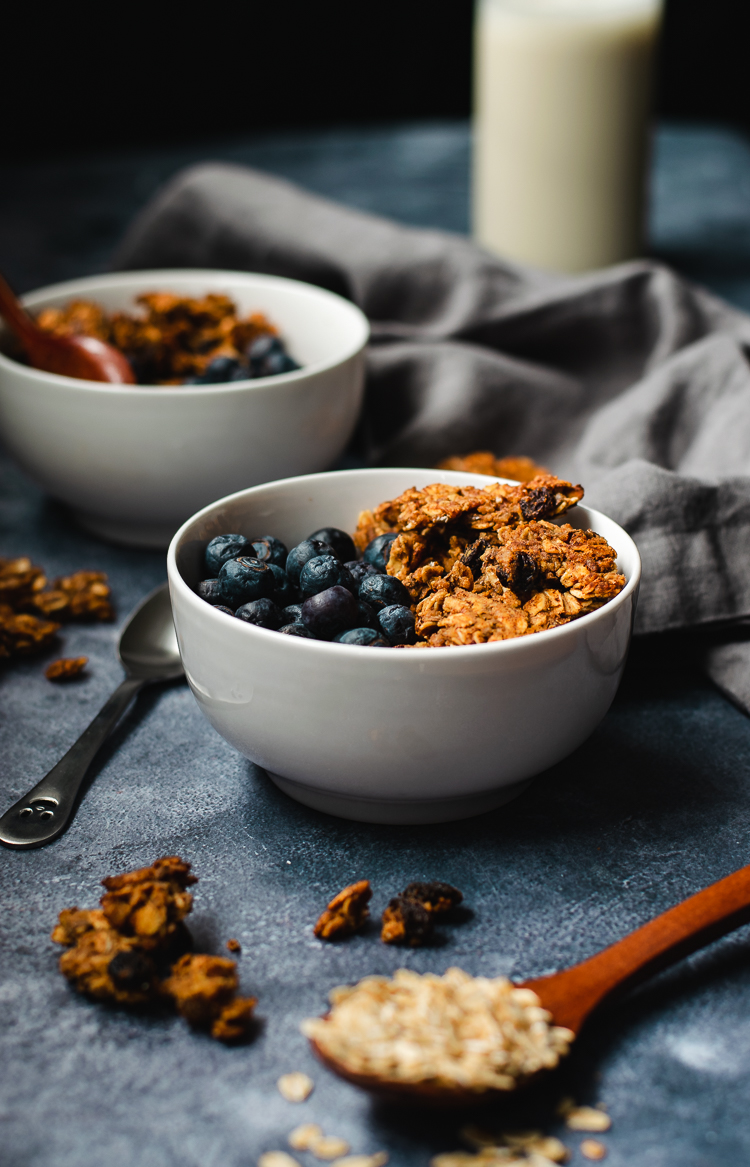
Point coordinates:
[(573, 994), (72, 356)]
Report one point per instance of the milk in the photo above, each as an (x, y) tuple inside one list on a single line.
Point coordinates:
[(562, 91)]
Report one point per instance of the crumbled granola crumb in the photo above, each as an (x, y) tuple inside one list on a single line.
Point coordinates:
[(346, 913), (587, 1118), (593, 1149), (234, 946), (295, 1087), (483, 1034), (66, 668)]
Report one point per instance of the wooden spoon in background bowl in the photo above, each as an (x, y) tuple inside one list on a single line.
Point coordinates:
[(71, 356), (574, 993)]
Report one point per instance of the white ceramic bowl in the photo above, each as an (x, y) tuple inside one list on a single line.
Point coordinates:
[(391, 735), (134, 462)]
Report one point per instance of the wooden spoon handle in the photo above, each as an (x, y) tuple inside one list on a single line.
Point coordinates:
[(572, 994), (16, 316)]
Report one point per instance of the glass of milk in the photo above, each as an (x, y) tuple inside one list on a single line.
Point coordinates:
[(562, 98)]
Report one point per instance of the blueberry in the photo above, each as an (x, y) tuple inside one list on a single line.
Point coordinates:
[(245, 579), (241, 373), (367, 617), (378, 551), (262, 612), (223, 608), (218, 371), (329, 612), (297, 630), (397, 624), (342, 543), (323, 572), (299, 555), (267, 357), (222, 548), (383, 590), (292, 614), (284, 591), (365, 636), (269, 549), (208, 590), (360, 569)]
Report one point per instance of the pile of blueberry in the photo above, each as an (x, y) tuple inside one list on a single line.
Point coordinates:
[(265, 357), (318, 590)]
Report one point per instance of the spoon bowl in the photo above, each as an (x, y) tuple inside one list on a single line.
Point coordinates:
[(573, 994), (85, 357), (148, 644)]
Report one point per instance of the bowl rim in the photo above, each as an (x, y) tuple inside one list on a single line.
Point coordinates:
[(136, 278), (457, 653)]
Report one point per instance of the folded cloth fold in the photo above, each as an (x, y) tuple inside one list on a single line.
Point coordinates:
[(630, 380)]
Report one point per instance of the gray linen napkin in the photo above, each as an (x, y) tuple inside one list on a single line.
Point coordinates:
[(629, 380)]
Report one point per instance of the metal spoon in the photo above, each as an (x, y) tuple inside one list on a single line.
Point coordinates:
[(148, 652), (72, 356), (574, 993)]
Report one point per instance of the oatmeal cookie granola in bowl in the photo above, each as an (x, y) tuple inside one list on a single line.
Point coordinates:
[(489, 563)]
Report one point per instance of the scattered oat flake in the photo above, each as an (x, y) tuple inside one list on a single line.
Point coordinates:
[(302, 1137), (536, 1143), (66, 668), (277, 1159), (593, 1149), (379, 1159), (295, 1087), (487, 1157), (587, 1118), (329, 1147)]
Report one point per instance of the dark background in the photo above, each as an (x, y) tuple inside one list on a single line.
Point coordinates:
[(93, 76)]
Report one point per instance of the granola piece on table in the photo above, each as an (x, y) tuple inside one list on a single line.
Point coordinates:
[(518, 467), (67, 668), (346, 913), (203, 989), (151, 902), (406, 921), (22, 634), (106, 965), (435, 895), (85, 594)]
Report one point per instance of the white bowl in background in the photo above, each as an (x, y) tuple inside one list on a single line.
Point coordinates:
[(134, 462), (391, 735)]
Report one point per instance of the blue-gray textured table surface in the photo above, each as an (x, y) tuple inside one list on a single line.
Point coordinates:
[(653, 807)]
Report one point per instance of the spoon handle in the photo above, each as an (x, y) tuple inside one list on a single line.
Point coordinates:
[(572, 994), (16, 316), (45, 811)]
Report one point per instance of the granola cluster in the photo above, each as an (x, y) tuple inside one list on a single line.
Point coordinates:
[(487, 564), (518, 467), (454, 1031), (408, 919), (134, 950), (173, 338), (32, 607)]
